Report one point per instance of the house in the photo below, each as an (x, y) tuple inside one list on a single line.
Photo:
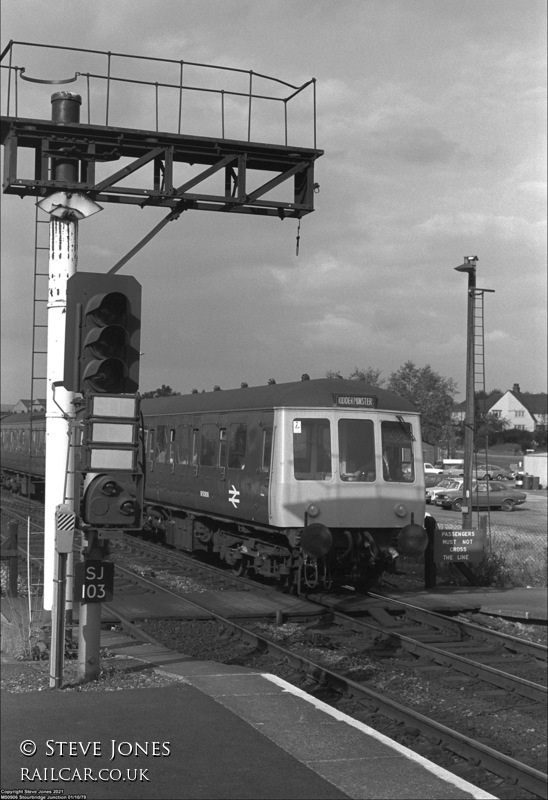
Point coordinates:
[(526, 412), (23, 406), (522, 411)]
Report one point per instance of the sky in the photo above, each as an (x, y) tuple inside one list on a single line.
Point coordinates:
[(432, 118)]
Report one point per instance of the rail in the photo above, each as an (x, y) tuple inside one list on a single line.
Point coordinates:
[(235, 103)]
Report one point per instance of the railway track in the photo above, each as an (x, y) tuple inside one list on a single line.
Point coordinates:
[(379, 634), (445, 649)]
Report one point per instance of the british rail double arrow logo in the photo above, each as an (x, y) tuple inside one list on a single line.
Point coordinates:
[(233, 496)]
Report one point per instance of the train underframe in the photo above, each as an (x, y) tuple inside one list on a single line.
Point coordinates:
[(298, 559), (23, 484)]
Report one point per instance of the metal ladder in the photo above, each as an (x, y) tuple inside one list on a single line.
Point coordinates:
[(479, 342), (479, 371), (39, 321)]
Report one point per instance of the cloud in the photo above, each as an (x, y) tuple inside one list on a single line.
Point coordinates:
[(497, 336), (416, 145), (474, 224), (332, 329)]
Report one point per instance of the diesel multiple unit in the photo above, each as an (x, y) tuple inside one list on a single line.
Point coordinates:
[(312, 483)]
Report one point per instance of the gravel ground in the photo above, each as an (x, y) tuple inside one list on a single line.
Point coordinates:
[(117, 673)]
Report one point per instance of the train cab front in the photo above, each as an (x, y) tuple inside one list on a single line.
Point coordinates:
[(355, 557)]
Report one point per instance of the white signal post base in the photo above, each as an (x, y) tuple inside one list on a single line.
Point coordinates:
[(59, 403)]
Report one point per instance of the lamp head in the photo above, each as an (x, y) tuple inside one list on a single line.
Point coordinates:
[(469, 265)]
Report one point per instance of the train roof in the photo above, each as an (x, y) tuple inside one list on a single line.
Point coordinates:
[(321, 393)]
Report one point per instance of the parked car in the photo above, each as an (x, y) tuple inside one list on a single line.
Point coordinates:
[(488, 472), (429, 469), (453, 467), (446, 483), (485, 494), (432, 480), (453, 472)]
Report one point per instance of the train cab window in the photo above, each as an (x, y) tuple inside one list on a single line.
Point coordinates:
[(312, 449), (356, 450), (182, 444), (237, 444), (207, 447), (161, 447), (267, 450), (397, 452)]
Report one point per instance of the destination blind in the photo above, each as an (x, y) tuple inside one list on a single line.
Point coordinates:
[(356, 401)]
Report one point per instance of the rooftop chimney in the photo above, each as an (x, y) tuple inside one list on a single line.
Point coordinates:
[(515, 388)]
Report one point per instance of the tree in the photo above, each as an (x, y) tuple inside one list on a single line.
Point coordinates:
[(489, 428), (163, 391), (371, 375), (431, 393)]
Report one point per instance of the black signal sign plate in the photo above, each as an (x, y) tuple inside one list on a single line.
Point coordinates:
[(93, 581)]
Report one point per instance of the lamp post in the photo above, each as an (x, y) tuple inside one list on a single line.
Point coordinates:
[(469, 267)]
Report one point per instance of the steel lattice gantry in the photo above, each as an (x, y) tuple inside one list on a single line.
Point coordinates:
[(265, 167)]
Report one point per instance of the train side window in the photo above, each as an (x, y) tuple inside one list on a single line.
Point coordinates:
[(207, 447), (40, 440), (195, 445), (357, 450), (222, 447), (312, 449), (397, 452), (172, 446), (160, 450), (182, 444), (151, 437), (267, 450), (237, 444)]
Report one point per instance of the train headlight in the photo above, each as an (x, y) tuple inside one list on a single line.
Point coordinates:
[(401, 510), (312, 510)]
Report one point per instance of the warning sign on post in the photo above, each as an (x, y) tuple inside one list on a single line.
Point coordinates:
[(457, 545)]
